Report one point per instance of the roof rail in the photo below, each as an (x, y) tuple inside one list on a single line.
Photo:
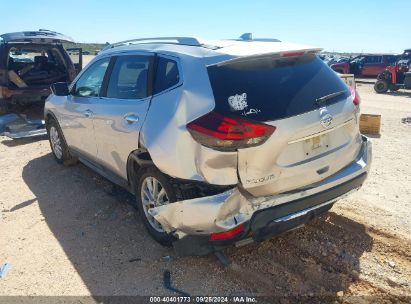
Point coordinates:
[(249, 37), (171, 40)]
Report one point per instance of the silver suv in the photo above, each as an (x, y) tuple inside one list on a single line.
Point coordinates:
[(222, 142)]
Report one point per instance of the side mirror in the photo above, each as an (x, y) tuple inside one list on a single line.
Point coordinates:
[(60, 89)]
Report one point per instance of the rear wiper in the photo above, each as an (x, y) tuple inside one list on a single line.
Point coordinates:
[(320, 101)]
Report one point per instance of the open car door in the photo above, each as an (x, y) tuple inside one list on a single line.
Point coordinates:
[(76, 55)]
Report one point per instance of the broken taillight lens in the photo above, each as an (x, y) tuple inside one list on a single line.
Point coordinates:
[(227, 133), (227, 234)]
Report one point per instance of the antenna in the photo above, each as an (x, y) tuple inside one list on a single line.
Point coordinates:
[(246, 37), (249, 37)]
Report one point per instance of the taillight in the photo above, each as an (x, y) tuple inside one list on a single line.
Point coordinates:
[(356, 97), (227, 234), (227, 133)]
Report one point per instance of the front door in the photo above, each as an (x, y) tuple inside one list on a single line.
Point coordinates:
[(120, 113), (79, 109)]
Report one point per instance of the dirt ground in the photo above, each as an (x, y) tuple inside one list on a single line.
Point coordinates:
[(67, 231)]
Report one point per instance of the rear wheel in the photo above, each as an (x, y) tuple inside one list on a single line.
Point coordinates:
[(381, 86), (153, 190)]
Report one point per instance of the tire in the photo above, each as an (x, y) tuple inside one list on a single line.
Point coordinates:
[(144, 179), (381, 86), (58, 144)]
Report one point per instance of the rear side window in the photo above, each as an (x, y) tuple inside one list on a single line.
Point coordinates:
[(272, 88), (373, 59), (167, 75), (129, 78)]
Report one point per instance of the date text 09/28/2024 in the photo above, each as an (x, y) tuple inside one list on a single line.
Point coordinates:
[(205, 299)]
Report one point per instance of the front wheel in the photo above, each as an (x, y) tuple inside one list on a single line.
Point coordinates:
[(58, 144), (381, 86), (153, 190)]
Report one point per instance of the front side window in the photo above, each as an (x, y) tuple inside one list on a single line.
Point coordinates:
[(167, 75), (129, 78), (90, 82)]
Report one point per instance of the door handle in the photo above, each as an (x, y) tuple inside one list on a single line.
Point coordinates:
[(131, 118), (88, 113)]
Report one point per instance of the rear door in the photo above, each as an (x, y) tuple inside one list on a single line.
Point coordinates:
[(311, 107), (121, 111)]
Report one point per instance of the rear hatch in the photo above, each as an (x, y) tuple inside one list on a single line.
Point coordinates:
[(41, 36), (316, 129)]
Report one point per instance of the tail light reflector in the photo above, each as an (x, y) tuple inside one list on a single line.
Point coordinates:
[(227, 234), (227, 133)]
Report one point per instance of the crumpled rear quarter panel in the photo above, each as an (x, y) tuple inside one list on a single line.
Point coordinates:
[(165, 136)]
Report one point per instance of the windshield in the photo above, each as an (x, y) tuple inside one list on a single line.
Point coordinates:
[(272, 88)]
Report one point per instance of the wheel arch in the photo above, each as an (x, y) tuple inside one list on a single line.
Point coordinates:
[(49, 115), (137, 160)]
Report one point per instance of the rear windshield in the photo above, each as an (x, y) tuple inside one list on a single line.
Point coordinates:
[(272, 88)]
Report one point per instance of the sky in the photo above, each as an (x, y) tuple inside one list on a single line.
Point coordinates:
[(340, 26)]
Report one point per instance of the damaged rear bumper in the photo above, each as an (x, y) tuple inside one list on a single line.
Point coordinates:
[(193, 221)]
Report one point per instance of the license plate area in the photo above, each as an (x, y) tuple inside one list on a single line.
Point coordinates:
[(315, 142), (316, 145)]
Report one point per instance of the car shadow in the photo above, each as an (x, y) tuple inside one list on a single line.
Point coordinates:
[(102, 236), (321, 259), (23, 141), (372, 135), (399, 93), (97, 227)]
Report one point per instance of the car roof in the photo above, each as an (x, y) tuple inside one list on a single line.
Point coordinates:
[(211, 50)]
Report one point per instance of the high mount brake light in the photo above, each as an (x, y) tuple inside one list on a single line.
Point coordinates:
[(292, 54), (356, 97), (227, 133), (227, 234)]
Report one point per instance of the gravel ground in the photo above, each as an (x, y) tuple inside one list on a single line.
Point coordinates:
[(67, 231)]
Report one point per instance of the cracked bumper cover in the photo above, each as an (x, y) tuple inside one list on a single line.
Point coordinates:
[(222, 212)]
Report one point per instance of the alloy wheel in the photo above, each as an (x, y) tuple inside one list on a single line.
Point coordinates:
[(153, 194), (56, 142)]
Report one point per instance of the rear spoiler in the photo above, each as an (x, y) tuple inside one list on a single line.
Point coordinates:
[(280, 54)]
